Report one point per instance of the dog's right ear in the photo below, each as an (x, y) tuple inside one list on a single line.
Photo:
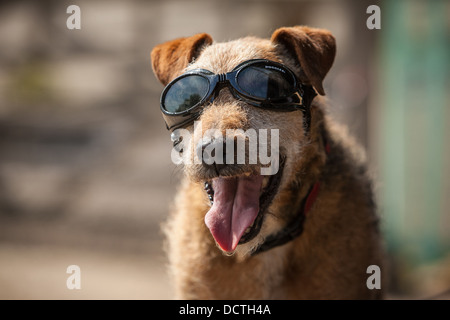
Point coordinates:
[(169, 58), (313, 48)]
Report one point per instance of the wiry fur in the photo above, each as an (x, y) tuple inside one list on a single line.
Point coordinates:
[(340, 238)]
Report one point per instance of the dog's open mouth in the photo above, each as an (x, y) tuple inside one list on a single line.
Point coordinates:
[(238, 206)]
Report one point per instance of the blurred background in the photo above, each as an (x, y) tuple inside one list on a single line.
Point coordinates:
[(85, 170)]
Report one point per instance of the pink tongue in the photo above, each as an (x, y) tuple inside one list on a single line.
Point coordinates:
[(235, 207)]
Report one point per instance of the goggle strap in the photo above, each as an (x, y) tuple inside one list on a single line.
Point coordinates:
[(308, 94)]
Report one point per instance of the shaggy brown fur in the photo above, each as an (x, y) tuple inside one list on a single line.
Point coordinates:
[(340, 238)]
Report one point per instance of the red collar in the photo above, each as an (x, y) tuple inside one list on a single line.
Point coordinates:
[(315, 189), (311, 197)]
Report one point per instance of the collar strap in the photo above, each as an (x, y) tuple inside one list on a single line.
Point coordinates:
[(295, 228)]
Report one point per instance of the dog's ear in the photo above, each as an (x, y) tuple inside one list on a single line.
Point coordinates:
[(169, 58), (313, 48)]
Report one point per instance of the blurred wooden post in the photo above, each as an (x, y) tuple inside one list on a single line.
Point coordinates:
[(414, 111)]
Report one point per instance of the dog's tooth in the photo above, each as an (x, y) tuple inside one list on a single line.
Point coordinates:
[(208, 188)]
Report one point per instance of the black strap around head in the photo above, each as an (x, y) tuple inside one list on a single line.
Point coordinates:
[(308, 94)]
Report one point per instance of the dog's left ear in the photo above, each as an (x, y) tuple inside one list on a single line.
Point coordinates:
[(314, 49), (170, 58)]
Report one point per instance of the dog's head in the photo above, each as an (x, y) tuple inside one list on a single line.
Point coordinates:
[(251, 159)]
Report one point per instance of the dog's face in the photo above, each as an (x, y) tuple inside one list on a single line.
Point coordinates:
[(247, 203)]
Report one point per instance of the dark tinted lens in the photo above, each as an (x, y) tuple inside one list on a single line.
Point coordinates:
[(266, 81), (185, 93)]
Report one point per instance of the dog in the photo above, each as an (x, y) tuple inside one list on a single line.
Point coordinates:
[(309, 229)]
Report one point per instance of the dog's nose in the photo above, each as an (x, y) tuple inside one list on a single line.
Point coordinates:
[(211, 151)]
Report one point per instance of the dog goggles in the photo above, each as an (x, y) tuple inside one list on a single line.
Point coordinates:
[(262, 83)]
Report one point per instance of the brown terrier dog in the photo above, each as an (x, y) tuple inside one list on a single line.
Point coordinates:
[(310, 230)]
